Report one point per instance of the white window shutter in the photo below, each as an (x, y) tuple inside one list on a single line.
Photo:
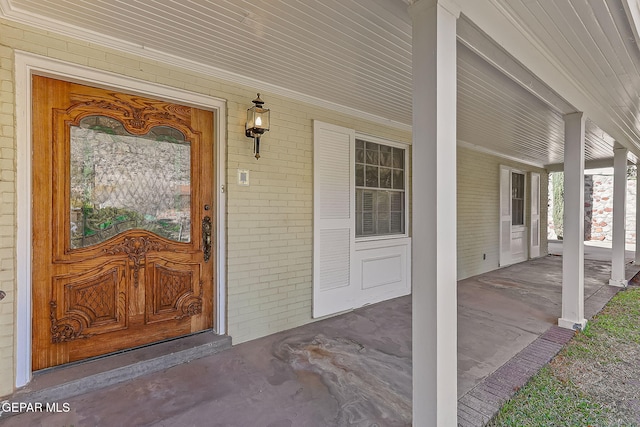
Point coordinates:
[(505, 216), (333, 218), (535, 215)]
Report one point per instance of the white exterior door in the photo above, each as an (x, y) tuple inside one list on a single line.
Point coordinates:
[(513, 231)]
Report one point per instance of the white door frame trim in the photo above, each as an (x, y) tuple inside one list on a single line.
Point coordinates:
[(527, 208), (28, 64)]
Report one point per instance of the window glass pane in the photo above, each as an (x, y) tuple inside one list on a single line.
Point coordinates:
[(368, 226), (359, 155), (359, 175), (383, 206), (398, 179), (379, 212), (517, 185), (383, 226), (359, 144), (385, 156), (371, 176), (367, 201), (521, 187), (398, 158), (517, 217), (367, 223), (120, 181), (397, 201), (385, 178), (397, 219), (517, 198), (372, 154)]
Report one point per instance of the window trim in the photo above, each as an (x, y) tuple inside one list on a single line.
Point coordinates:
[(407, 190)]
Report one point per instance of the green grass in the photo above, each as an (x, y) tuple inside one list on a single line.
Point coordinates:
[(620, 319), (547, 401), (561, 394)]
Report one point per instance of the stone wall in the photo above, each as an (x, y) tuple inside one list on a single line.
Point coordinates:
[(598, 209)]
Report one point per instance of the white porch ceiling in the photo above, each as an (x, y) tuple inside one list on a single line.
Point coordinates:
[(356, 55)]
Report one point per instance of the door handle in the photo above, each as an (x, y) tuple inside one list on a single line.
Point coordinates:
[(206, 237)]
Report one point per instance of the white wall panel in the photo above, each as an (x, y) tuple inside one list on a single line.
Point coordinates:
[(382, 269)]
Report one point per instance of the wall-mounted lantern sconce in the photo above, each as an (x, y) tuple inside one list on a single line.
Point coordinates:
[(257, 123)]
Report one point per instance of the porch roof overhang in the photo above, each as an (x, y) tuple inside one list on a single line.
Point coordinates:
[(522, 64)]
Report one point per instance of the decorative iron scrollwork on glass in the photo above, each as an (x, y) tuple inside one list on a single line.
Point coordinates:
[(120, 181)]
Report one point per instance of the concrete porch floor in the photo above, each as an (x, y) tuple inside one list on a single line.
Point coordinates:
[(353, 369), (508, 308)]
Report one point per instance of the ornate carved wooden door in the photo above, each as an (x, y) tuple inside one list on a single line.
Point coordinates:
[(122, 221)]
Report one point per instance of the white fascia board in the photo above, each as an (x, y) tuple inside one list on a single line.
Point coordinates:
[(588, 165), (481, 149)]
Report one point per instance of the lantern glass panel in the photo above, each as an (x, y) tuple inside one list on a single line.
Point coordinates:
[(262, 118), (251, 118), (258, 119)]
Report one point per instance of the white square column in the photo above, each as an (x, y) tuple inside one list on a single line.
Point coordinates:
[(573, 240), (434, 273), (619, 216)]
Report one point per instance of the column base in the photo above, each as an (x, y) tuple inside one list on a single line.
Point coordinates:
[(618, 283), (572, 324)]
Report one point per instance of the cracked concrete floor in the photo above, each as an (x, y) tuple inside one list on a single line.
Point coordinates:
[(350, 370)]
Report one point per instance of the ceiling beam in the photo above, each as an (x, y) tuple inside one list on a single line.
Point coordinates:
[(482, 149), (589, 164)]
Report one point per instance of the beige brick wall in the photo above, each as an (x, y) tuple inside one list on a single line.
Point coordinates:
[(269, 223), (478, 210), (7, 219)]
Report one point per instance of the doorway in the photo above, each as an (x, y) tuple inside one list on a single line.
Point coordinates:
[(123, 220), (513, 206)]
